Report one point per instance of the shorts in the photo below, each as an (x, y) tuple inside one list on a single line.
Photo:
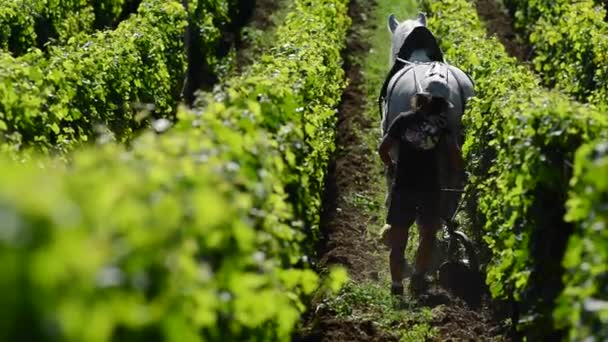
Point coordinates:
[(407, 206)]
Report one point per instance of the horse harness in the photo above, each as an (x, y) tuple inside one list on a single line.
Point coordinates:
[(437, 67)]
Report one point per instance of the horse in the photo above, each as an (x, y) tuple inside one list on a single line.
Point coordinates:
[(417, 59)]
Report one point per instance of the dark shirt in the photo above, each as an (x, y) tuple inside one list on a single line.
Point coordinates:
[(417, 169)]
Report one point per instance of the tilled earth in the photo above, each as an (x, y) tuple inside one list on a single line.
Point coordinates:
[(499, 23)]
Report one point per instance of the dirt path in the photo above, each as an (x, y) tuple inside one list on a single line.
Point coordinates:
[(499, 23), (351, 175), (262, 20), (353, 215), (345, 239)]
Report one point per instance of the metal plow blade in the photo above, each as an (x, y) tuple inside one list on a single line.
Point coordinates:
[(461, 276)]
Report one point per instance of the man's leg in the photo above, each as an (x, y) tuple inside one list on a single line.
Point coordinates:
[(428, 235), (400, 217), (429, 224), (398, 236)]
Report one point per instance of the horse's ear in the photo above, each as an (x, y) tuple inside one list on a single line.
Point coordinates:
[(392, 23), (422, 18)]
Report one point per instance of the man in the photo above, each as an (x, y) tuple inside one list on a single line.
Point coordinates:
[(421, 135)]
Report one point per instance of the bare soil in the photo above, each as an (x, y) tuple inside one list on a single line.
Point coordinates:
[(499, 23), (343, 225), (259, 17), (345, 240)]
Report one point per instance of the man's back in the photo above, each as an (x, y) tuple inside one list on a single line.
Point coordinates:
[(417, 166)]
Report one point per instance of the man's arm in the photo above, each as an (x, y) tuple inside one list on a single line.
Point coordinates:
[(384, 150), (454, 154), (391, 139)]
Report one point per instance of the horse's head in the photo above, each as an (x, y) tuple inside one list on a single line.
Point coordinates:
[(413, 41)]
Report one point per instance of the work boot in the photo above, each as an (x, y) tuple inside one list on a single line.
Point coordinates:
[(419, 283), (397, 289)]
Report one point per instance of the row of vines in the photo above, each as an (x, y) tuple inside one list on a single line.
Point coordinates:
[(95, 82), (196, 233), (535, 200), (583, 305), (571, 53), (26, 24), (569, 44)]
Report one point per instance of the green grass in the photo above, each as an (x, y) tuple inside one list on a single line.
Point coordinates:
[(372, 301)]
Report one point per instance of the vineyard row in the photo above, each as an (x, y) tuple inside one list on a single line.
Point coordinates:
[(189, 235), (569, 44), (520, 145), (26, 24), (101, 81)]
